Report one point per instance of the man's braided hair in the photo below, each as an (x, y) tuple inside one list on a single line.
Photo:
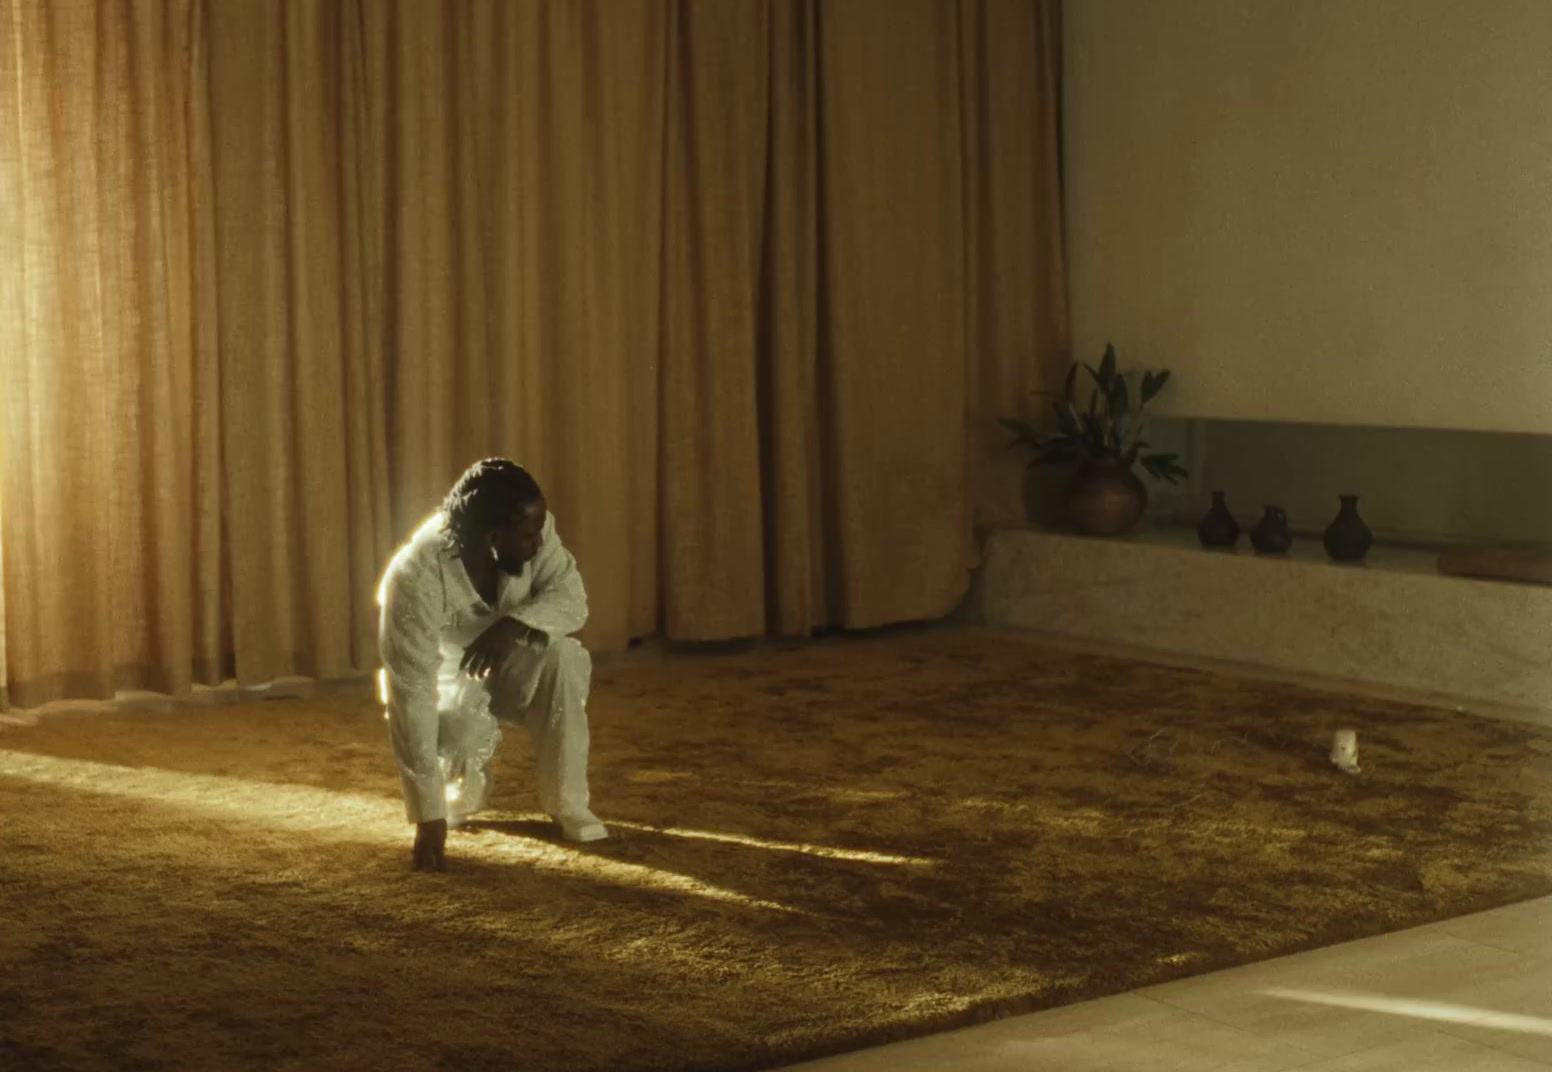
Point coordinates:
[(490, 493)]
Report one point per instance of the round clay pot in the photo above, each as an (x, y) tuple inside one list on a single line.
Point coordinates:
[(1105, 497), (1348, 539), (1271, 535), (1218, 528)]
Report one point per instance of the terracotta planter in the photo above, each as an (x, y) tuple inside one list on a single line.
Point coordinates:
[(1105, 497)]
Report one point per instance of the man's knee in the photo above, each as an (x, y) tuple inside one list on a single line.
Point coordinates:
[(567, 658)]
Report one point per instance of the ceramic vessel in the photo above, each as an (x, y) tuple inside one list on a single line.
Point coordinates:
[(1218, 527), (1105, 497), (1271, 535), (1347, 538)]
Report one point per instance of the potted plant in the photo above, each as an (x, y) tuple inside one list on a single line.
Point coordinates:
[(1105, 498)]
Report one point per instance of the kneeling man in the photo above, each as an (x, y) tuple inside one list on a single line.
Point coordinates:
[(478, 609)]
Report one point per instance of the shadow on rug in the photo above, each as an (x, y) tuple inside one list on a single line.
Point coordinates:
[(814, 849)]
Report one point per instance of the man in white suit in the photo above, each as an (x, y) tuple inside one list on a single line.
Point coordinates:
[(478, 609)]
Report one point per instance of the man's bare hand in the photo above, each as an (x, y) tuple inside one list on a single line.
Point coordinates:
[(491, 648), (430, 840)]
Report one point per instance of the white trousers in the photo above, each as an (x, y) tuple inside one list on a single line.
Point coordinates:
[(542, 686)]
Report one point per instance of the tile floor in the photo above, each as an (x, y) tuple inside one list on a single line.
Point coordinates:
[(1472, 994)]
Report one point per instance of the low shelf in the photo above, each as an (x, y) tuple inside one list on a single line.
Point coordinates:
[(1392, 620)]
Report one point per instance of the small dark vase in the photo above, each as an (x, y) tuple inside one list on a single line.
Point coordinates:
[(1347, 538), (1271, 535), (1218, 528), (1105, 497)]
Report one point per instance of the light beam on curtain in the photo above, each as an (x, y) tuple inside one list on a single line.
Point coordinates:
[(110, 533), (12, 280)]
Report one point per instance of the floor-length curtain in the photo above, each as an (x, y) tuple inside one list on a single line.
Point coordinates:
[(521, 149), (111, 486), (892, 246), (744, 283), (305, 477), (1016, 285)]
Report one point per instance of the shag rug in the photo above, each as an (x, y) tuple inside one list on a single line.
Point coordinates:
[(816, 848)]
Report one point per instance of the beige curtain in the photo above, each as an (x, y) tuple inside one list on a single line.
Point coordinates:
[(1015, 263), (112, 487), (744, 283)]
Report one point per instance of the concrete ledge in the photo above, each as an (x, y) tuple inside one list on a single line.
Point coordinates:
[(1393, 622)]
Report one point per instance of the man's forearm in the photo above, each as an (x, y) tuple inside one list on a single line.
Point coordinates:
[(414, 733), (550, 615)]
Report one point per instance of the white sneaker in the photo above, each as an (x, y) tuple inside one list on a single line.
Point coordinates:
[(587, 828)]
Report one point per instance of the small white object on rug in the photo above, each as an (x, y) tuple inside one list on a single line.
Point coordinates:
[(1344, 751)]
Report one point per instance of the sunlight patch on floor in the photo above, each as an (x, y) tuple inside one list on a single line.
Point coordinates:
[(826, 851), (845, 794), (563, 859), (347, 816), (1422, 1010), (290, 806)]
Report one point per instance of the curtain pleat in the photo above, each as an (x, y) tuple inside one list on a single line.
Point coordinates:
[(709, 451), (745, 284), (893, 323), (797, 571), (1016, 289)]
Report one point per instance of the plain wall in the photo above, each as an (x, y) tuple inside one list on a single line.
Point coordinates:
[(1319, 211)]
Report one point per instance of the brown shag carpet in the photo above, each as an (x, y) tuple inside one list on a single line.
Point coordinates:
[(815, 849)]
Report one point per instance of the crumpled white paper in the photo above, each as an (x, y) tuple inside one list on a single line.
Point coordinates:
[(1344, 751)]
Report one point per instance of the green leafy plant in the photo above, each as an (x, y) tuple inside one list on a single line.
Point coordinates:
[(1110, 427)]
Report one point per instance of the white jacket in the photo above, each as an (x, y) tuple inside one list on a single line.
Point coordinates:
[(430, 614)]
